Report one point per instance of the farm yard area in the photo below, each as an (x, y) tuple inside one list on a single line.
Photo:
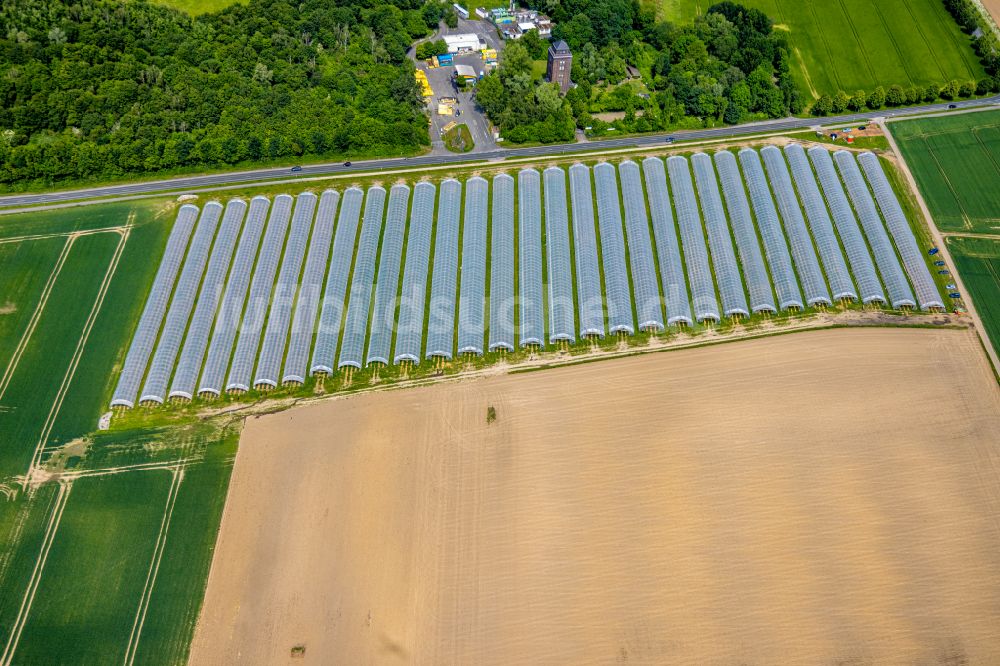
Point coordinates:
[(860, 44), (487, 290), (701, 506)]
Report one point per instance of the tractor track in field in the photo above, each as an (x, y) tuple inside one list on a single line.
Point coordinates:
[(80, 346), (154, 565), (60, 234), (895, 45), (6, 658), (22, 344), (923, 36)]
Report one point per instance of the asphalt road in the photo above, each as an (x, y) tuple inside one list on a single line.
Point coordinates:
[(182, 183)]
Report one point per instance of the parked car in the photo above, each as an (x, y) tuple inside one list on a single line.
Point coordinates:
[(944, 271), (296, 169), (955, 294), (933, 251), (951, 286), (939, 263)]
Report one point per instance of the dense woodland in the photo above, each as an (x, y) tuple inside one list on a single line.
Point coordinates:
[(99, 89), (729, 65)]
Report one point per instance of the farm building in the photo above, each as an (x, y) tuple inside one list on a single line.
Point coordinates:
[(463, 43), (465, 74)]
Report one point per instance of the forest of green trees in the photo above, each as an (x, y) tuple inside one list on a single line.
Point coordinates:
[(100, 89), (729, 65)]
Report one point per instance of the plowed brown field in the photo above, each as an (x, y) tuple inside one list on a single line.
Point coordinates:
[(823, 497)]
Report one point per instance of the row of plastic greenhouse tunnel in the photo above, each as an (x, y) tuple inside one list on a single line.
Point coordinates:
[(253, 295)]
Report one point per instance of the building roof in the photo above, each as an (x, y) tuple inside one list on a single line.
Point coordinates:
[(559, 46), (465, 70), (462, 38)]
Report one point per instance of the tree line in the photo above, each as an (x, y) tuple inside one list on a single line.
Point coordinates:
[(102, 89)]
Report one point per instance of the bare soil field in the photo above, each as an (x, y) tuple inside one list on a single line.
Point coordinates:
[(993, 7), (824, 497)]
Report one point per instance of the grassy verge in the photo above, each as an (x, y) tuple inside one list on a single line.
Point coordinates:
[(459, 139)]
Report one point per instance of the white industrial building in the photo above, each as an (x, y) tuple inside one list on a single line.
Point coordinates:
[(463, 42)]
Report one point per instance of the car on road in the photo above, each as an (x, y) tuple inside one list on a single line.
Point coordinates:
[(347, 164), (296, 169), (669, 139), (953, 106)]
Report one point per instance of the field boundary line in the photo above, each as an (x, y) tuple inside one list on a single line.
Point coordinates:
[(80, 345), (986, 149), (942, 246), (36, 575), (154, 566), (58, 234), (972, 234), (22, 344), (109, 471)]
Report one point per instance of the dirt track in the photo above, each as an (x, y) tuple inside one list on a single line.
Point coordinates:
[(831, 496)]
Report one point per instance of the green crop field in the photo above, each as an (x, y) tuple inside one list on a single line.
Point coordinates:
[(956, 162), (978, 262), (196, 7), (105, 537), (860, 44)]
